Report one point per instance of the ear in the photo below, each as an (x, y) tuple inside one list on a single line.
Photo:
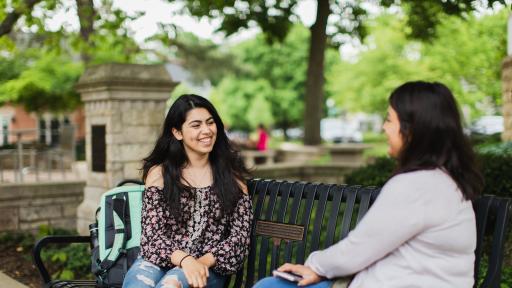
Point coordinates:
[(177, 134)]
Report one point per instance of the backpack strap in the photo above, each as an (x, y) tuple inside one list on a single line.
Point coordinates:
[(119, 245)]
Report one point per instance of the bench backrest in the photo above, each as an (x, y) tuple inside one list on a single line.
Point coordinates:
[(292, 219)]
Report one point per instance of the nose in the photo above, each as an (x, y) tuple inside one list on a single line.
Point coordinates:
[(206, 130)]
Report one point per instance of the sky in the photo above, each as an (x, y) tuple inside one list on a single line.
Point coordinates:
[(165, 12), (161, 11)]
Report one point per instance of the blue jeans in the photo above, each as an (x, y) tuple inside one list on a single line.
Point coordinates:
[(277, 282), (144, 274)]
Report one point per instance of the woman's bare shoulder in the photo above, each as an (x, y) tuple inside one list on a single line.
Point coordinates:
[(155, 177), (242, 186)]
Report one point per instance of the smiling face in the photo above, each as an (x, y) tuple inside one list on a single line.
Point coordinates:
[(392, 130), (198, 132)]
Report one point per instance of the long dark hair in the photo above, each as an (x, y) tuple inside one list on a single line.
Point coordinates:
[(227, 166), (431, 129)]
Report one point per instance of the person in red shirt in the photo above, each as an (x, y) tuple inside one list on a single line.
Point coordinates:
[(262, 138)]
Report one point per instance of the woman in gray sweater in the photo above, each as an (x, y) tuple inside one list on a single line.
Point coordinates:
[(421, 230)]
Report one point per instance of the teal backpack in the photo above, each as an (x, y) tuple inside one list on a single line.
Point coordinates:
[(116, 233)]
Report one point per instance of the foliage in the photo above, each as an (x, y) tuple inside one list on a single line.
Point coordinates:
[(423, 16), (375, 174), (45, 85), (271, 85), (65, 262), (466, 55), (42, 68), (389, 61), (23, 241), (482, 140), (234, 98), (69, 262), (204, 59), (495, 162), (276, 19)]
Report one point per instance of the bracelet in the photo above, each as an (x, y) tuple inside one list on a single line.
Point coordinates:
[(188, 255)]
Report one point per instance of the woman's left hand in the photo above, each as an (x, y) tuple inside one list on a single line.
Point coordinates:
[(308, 275)]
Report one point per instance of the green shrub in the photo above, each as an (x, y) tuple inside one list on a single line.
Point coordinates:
[(67, 261), (495, 161), (375, 174), (23, 241), (482, 140)]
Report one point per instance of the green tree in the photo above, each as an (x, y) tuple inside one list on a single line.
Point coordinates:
[(280, 79), (45, 62), (46, 86), (466, 55), (205, 60), (275, 18), (235, 97), (388, 60)]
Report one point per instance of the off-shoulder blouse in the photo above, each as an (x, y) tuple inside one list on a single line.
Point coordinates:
[(201, 229)]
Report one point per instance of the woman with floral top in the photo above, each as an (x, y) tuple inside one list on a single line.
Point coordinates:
[(196, 212)]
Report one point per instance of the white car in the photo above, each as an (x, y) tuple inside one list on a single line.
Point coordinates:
[(336, 130), (488, 125)]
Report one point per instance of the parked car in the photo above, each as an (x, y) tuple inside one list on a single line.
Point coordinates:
[(488, 125), (337, 131)]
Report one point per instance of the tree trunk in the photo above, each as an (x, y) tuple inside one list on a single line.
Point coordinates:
[(11, 18), (313, 109), (86, 14)]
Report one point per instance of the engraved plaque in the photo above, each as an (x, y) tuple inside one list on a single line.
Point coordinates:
[(98, 153)]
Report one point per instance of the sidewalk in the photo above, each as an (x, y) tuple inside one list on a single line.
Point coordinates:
[(8, 282)]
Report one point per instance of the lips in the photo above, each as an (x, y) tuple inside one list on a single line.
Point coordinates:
[(206, 141)]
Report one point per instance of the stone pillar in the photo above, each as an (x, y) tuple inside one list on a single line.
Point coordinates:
[(506, 80), (124, 110), (506, 84)]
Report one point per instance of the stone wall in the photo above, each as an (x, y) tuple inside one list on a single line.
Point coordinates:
[(27, 206), (506, 80)]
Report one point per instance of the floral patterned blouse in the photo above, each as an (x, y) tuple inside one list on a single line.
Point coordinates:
[(201, 229)]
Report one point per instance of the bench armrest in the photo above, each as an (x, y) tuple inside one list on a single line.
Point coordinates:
[(57, 239)]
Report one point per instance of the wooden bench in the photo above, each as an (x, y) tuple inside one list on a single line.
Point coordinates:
[(294, 218)]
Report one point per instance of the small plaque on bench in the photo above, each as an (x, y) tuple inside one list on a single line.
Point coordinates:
[(279, 230)]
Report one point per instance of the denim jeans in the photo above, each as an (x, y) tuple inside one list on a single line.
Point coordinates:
[(277, 282), (144, 274)]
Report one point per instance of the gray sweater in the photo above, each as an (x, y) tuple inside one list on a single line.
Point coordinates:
[(420, 232)]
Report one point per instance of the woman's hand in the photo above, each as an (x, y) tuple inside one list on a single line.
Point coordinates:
[(207, 259), (195, 271), (308, 275)]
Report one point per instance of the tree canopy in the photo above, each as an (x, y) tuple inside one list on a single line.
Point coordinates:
[(466, 55), (272, 80), (335, 20)]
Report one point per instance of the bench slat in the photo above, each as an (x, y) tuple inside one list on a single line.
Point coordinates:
[(310, 190), (296, 193), (350, 194), (323, 190), (337, 195)]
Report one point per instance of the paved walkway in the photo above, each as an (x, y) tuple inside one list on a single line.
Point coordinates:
[(8, 282)]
